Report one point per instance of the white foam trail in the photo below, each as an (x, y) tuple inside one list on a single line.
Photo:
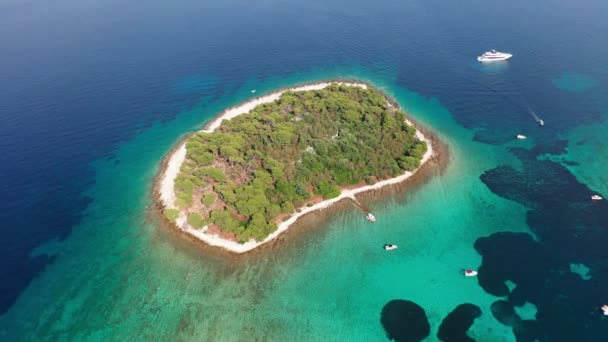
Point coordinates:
[(531, 111)]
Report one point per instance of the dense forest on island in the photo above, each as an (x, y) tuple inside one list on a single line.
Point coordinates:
[(257, 169)]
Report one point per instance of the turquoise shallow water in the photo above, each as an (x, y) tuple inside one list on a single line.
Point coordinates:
[(123, 277), (96, 93)]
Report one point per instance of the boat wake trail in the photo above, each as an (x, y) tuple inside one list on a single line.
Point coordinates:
[(533, 113), (460, 66), (503, 88)]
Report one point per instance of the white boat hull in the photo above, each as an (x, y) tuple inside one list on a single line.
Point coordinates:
[(370, 218), (490, 60), (469, 273)]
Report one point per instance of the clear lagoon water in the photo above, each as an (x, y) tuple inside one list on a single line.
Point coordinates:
[(95, 93)]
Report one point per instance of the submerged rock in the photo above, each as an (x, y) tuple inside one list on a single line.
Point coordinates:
[(404, 321), (527, 331), (504, 312), (456, 324)]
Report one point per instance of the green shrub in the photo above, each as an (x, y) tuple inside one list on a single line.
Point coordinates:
[(183, 183), (208, 200), (203, 158), (287, 207), (195, 220), (171, 214), (184, 199), (214, 173), (327, 190), (418, 150), (409, 163)]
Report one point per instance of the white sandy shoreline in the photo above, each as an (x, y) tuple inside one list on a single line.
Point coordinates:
[(167, 194)]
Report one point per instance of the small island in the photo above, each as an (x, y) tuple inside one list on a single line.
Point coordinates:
[(246, 178)]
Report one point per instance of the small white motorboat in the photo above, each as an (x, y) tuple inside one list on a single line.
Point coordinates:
[(597, 198), (605, 310), (370, 217), (521, 137), (389, 247), (253, 91), (541, 122), (469, 273)]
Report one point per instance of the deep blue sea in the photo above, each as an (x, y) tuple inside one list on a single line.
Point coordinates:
[(94, 93)]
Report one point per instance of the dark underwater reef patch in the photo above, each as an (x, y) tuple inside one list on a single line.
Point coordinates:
[(528, 331), (504, 312), (524, 330), (494, 137), (570, 228), (404, 321), (511, 256), (455, 325)]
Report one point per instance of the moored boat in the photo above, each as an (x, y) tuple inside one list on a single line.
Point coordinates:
[(521, 137), (370, 217), (597, 198), (469, 273), (389, 247)]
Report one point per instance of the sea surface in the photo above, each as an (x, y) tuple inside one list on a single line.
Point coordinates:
[(94, 93)]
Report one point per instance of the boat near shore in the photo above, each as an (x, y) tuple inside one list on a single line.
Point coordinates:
[(370, 217), (597, 198)]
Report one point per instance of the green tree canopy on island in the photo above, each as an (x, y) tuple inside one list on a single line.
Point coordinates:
[(255, 167)]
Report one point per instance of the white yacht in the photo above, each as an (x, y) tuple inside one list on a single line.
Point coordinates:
[(521, 137), (494, 56), (597, 198), (541, 122)]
